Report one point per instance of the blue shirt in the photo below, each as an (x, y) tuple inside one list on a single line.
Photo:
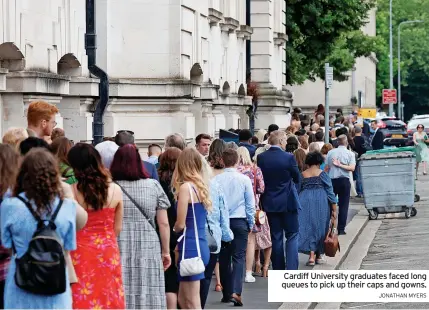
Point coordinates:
[(218, 218), (239, 195), (153, 160), (345, 157)]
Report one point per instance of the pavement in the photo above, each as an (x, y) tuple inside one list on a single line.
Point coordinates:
[(398, 244), (255, 295)]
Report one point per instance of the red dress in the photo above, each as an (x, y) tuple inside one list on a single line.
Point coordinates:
[(97, 264)]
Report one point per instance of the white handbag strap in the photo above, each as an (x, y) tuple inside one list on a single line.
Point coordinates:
[(195, 228)]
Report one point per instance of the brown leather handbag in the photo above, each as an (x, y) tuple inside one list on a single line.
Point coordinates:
[(332, 245)]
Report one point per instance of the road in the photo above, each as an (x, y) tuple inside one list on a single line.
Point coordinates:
[(255, 295), (400, 244)]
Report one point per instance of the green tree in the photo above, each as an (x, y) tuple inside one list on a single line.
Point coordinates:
[(414, 52), (325, 31)]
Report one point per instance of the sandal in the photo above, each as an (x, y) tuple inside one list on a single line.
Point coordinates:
[(265, 271), (320, 261), (310, 263), (218, 288), (258, 267)]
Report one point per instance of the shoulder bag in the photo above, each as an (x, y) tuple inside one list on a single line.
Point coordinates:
[(195, 265), (260, 216), (210, 239), (138, 207)]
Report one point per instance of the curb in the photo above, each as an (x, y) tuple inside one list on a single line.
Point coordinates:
[(355, 228)]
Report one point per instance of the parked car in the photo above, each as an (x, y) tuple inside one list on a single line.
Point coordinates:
[(412, 127), (419, 117), (394, 131)]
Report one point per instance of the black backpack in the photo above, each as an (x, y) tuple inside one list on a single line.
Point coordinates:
[(42, 269)]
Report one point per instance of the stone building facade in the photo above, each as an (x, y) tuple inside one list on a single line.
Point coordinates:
[(173, 65)]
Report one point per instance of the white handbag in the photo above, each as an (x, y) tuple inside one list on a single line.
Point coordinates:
[(195, 265)]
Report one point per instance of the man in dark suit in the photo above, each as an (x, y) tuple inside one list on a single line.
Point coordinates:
[(377, 141), (280, 200), (124, 137), (245, 139)]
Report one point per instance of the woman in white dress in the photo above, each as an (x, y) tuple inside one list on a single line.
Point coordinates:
[(420, 139)]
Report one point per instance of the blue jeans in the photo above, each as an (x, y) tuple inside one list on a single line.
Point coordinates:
[(232, 259), (278, 233)]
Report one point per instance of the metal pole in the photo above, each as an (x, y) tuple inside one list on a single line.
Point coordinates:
[(326, 109), (391, 56), (399, 73), (400, 108)]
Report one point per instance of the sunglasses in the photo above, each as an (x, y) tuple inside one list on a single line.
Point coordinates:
[(419, 127), (126, 131)]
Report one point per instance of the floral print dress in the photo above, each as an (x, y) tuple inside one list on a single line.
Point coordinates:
[(263, 237), (97, 264)]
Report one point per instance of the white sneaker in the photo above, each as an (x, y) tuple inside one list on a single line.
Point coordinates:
[(249, 277)]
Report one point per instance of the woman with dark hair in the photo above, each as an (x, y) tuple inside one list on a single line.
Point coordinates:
[(61, 146), (97, 252), (311, 138), (144, 200), (318, 203), (292, 144), (216, 150), (296, 121), (38, 188), (167, 164), (320, 110)]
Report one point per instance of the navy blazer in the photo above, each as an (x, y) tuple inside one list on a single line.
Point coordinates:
[(281, 178), (377, 142), (151, 170)]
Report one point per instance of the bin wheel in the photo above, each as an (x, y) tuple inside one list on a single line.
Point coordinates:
[(408, 213), (373, 215), (416, 198), (413, 211)]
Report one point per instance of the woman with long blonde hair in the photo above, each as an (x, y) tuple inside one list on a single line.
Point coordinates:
[(193, 201)]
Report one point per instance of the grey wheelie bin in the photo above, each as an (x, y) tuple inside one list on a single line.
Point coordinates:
[(388, 181)]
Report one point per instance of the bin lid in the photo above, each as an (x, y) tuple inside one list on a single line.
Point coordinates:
[(393, 150), (386, 155)]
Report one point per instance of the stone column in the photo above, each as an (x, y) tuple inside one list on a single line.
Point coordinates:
[(273, 101)]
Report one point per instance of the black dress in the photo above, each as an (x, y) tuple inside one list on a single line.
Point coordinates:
[(171, 278)]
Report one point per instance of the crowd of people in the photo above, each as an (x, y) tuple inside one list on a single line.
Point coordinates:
[(151, 233)]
